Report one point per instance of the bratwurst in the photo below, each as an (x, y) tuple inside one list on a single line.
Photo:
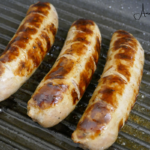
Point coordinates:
[(115, 95), (27, 48), (64, 85)]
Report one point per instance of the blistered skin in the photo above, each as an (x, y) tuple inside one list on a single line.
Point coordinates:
[(64, 85), (27, 48), (115, 95)]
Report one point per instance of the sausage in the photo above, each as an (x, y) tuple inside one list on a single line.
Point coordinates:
[(114, 96), (64, 85), (27, 48)]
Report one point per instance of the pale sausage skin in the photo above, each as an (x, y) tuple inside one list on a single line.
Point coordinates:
[(64, 85), (114, 96), (27, 48)]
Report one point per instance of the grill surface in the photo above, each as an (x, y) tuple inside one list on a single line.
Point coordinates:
[(18, 131)]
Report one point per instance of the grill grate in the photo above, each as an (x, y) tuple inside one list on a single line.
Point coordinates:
[(18, 131)]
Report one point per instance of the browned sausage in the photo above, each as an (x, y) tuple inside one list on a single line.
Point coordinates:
[(27, 48), (115, 94), (62, 88)]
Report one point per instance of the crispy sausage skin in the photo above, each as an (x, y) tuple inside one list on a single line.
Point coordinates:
[(27, 48), (64, 85), (115, 95)]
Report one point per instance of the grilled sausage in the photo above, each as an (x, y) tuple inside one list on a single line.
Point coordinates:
[(115, 95), (62, 88), (27, 48)]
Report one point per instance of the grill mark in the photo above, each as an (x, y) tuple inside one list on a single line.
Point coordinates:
[(124, 45), (34, 55), (33, 60), (75, 30), (83, 22), (34, 20), (109, 68), (97, 46), (11, 54), (76, 48), (124, 70), (92, 60), (39, 7), (49, 95), (95, 119), (24, 68), (80, 37), (127, 55), (84, 25), (125, 38), (76, 88), (83, 82), (21, 40), (2, 69), (38, 13), (74, 96), (111, 71), (95, 56), (63, 67), (53, 29), (112, 86), (44, 36), (40, 45), (29, 30), (67, 56), (85, 76)]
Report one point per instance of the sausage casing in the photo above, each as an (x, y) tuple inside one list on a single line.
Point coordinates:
[(27, 48), (115, 95), (61, 89)]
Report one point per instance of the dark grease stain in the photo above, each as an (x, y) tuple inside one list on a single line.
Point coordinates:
[(74, 96), (40, 7), (63, 67), (11, 54), (49, 94), (83, 25), (95, 119), (112, 86)]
